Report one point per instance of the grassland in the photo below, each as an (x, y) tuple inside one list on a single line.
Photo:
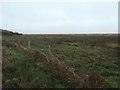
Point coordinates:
[(84, 53)]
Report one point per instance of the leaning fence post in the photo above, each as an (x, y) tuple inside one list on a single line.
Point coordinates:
[(18, 41)]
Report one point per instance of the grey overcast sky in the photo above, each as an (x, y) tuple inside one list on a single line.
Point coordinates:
[(60, 17)]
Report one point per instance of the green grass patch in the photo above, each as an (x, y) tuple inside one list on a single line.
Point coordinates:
[(30, 77)]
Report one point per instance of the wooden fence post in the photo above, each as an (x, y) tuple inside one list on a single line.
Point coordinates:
[(29, 44), (49, 53)]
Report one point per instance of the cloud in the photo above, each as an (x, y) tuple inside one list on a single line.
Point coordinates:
[(54, 13), (60, 17), (59, 1)]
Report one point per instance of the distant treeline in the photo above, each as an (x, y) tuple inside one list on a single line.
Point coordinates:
[(7, 32)]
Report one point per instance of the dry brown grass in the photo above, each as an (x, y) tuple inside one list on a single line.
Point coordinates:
[(65, 73), (93, 80)]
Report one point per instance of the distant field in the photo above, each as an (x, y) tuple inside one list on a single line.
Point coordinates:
[(84, 53)]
